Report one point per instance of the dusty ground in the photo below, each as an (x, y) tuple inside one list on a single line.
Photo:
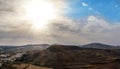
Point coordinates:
[(28, 66)]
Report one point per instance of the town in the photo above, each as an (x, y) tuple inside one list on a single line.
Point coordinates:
[(9, 57)]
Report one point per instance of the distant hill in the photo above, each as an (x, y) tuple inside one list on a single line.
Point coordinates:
[(73, 57), (100, 46), (24, 48), (7, 47)]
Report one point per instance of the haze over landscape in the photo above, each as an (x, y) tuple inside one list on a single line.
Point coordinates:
[(59, 21)]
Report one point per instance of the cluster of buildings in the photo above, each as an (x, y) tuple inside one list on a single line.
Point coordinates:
[(5, 57), (10, 58)]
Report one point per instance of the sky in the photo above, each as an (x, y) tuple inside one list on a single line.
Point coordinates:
[(76, 22), (105, 8)]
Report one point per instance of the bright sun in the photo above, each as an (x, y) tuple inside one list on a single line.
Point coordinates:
[(40, 13)]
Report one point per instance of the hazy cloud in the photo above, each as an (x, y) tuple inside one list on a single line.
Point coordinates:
[(90, 29), (15, 29)]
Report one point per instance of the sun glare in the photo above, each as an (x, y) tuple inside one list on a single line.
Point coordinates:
[(40, 13)]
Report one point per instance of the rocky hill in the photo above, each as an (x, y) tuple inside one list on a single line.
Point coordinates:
[(73, 57), (100, 46)]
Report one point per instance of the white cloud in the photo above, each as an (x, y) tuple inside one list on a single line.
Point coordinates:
[(65, 31), (90, 30), (84, 4)]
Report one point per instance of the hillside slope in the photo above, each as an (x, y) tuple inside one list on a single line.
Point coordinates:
[(73, 57)]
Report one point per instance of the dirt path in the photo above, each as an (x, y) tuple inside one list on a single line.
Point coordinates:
[(26, 66)]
